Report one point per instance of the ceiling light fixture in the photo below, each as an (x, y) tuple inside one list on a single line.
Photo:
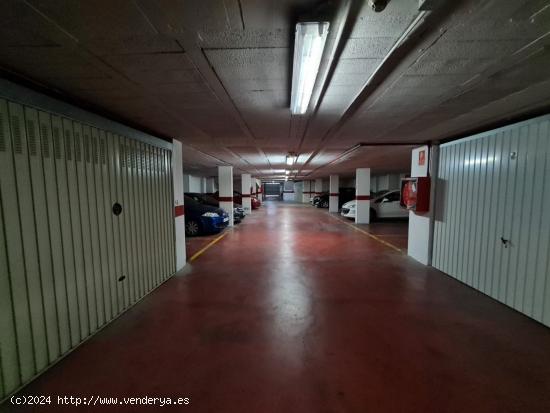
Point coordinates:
[(309, 42), (291, 159)]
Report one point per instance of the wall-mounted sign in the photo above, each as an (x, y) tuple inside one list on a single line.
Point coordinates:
[(421, 158)]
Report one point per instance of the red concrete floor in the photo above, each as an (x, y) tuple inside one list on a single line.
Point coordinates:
[(195, 244), (393, 231), (294, 311)]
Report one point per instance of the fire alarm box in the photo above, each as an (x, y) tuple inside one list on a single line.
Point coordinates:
[(415, 194)]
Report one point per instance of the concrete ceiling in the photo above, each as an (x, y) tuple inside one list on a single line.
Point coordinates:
[(216, 74)]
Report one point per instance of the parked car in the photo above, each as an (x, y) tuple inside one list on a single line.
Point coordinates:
[(317, 198), (238, 198), (202, 218), (207, 199), (345, 195), (383, 206)]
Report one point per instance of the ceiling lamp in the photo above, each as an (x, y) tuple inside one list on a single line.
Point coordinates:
[(291, 159), (309, 43)]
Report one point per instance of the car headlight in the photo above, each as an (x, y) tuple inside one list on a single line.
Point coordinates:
[(210, 215)]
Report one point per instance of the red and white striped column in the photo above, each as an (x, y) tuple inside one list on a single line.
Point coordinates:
[(246, 180), (179, 209), (306, 193), (362, 196), (318, 186), (334, 189), (225, 182)]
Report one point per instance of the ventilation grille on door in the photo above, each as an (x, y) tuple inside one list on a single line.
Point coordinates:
[(77, 147), (122, 155), (87, 148), (17, 144), (31, 133), (95, 151), (130, 156), (45, 141), (2, 137), (102, 151), (57, 142), (68, 146)]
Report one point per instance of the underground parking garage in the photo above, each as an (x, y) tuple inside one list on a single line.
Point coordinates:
[(262, 206)]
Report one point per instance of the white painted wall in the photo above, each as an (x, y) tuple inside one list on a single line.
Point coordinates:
[(192, 183), (420, 224), (298, 191), (210, 185), (288, 191)]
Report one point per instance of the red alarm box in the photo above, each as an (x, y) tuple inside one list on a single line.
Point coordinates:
[(415, 194)]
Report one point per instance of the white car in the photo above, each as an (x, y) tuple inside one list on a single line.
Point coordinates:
[(384, 206)]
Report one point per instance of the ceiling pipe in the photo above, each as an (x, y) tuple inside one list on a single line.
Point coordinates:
[(424, 21), (355, 148)]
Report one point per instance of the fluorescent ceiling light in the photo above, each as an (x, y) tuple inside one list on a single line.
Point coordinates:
[(291, 159), (309, 43)]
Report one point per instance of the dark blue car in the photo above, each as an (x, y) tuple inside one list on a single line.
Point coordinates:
[(203, 219)]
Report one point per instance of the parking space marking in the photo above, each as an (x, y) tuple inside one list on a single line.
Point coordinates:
[(374, 237), (203, 249)]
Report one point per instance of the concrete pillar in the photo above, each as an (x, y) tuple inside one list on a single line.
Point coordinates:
[(306, 191), (362, 196), (179, 220), (318, 186), (334, 194), (225, 181), (245, 190), (259, 192)]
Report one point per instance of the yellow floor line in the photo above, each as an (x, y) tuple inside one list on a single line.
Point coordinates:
[(374, 237), (203, 249)]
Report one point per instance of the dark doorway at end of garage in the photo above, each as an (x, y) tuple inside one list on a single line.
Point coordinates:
[(273, 190)]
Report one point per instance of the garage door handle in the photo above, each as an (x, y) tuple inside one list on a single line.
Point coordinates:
[(505, 242)]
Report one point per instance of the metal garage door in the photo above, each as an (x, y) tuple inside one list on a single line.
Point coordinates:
[(272, 189), (492, 225), (68, 263)]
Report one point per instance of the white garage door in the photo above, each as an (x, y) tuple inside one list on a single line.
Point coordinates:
[(69, 261), (492, 225)]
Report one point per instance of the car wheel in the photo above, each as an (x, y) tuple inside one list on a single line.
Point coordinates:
[(324, 204), (372, 215), (192, 228)]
